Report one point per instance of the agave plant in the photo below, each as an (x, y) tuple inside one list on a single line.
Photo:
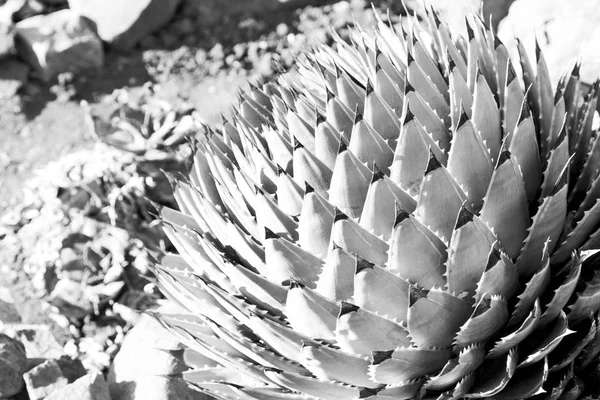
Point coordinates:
[(414, 216)]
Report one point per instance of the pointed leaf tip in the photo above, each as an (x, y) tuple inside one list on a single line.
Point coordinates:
[(339, 215), (415, 294), (380, 356), (269, 234), (347, 308), (307, 188), (433, 163), (464, 217), (362, 264), (504, 156), (401, 215)]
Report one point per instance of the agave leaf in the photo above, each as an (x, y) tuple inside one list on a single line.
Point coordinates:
[(506, 196), (468, 251), (315, 223), (585, 301), (409, 234), (269, 215), (526, 382), (448, 45), (545, 100), (545, 229), (562, 294), (301, 130), (380, 116), (461, 98), (428, 118), (472, 57), (404, 391), (557, 382), (390, 91), (336, 282), (583, 228), (349, 92), (379, 210), (586, 185), (327, 142), (430, 93), (310, 313), (489, 316), (524, 147), (458, 368), (309, 169), (584, 132), (200, 178), (431, 70), (331, 364), (558, 162), (495, 375), (514, 101), (280, 149), (516, 336), (435, 316), (339, 115), (440, 199), (312, 386), (589, 353), (354, 239), (571, 346), (412, 155), (473, 176), (349, 183), (369, 147), (289, 195), (500, 276), (486, 117), (359, 331), (285, 260), (395, 367), (378, 290), (254, 352), (551, 338)]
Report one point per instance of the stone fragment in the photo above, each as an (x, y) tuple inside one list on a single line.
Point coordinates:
[(59, 42), (13, 364), (44, 379), (37, 340), (89, 387), (122, 24)]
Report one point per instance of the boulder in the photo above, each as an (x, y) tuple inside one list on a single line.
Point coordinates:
[(148, 354), (566, 32), (59, 42), (89, 387), (13, 364), (44, 379), (122, 24)]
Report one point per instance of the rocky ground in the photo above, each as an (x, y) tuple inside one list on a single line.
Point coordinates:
[(89, 121)]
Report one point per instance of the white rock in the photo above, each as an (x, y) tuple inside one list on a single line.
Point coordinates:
[(59, 42), (123, 23), (44, 379), (147, 355), (566, 31), (89, 387)]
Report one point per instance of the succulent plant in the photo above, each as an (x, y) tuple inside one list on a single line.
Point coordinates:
[(412, 216)]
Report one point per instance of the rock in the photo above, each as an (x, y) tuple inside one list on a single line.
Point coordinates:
[(37, 340), (13, 364), (58, 42), (123, 23), (566, 33), (8, 311), (71, 368), (13, 75), (147, 355), (44, 379), (88, 387)]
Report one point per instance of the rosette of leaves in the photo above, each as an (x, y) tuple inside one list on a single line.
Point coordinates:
[(415, 217)]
